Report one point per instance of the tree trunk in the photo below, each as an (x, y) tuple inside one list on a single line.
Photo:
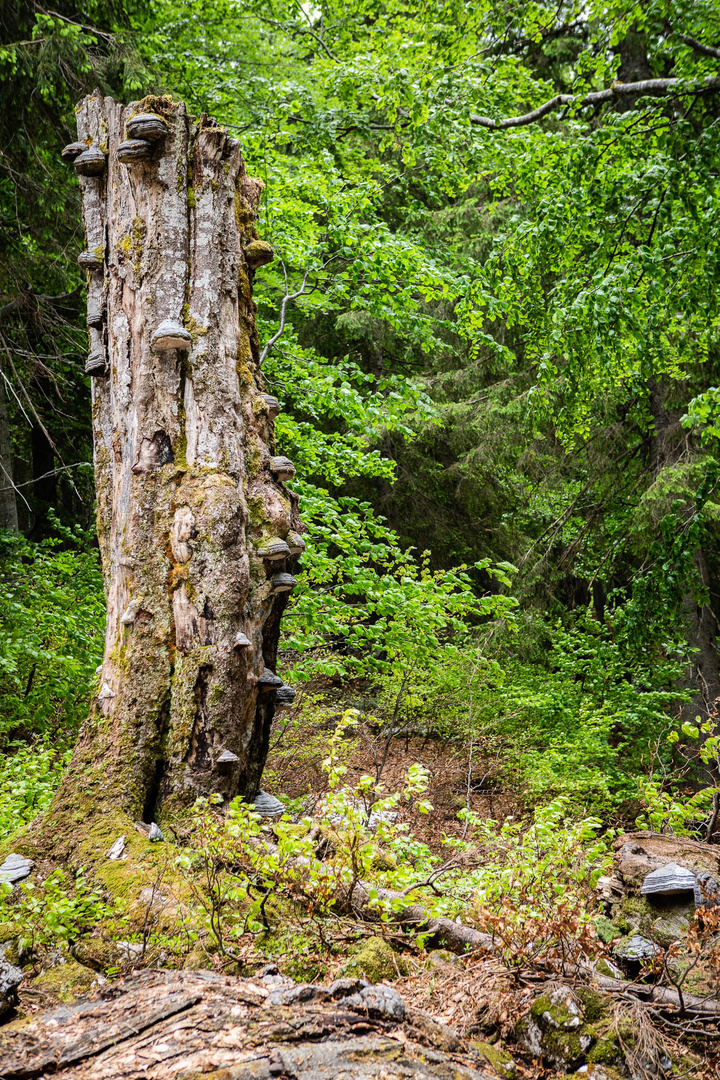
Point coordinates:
[(8, 503), (186, 500)]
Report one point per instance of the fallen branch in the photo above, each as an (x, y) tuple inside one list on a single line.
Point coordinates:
[(463, 939)]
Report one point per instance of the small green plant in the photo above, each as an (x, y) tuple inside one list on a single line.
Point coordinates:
[(535, 887), (671, 803), (55, 913), (241, 869)]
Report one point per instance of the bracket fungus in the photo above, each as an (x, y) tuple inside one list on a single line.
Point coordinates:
[(267, 805), (668, 880), (72, 150), (170, 335), (241, 640), (282, 583), (273, 549), (96, 364), (91, 162), (271, 404), (90, 260), (285, 695), (134, 150), (258, 253), (15, 868), (130, 613), (146, 126), (282, 467), (295, 542), (268, 680), (95, 318), (227, 758)]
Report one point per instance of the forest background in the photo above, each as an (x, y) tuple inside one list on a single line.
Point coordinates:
[(497, 351)]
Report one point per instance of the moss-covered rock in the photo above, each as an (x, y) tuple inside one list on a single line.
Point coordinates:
[(383, 860), (555, 1029), (66, 981), (375, 961), (607, 931), (498, 1059), (670, 927)]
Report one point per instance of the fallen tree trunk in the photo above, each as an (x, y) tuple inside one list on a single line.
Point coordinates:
[(163, 1024)]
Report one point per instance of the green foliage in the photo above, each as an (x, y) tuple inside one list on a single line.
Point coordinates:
[(534, 891), (29, 774), (55, 913), (669, 799), (51, 634)]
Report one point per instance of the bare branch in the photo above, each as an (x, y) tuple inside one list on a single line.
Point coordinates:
[(699, 46), (618, 90)]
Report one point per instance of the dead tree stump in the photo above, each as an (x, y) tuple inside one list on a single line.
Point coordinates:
[(193, 524)]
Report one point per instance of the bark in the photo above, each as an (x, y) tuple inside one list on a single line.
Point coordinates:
[(159, 1025), (8, 502), (185, 496)]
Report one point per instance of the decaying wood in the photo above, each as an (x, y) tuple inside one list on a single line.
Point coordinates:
[(186, 496), (157, 1025)]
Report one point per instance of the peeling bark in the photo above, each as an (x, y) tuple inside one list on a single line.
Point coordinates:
[(182, 443)]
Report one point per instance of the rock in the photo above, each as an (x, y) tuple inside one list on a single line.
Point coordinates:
[(707, 891), (670, 928), (155, 834), (376, 961), (497, 1058), (267, 805), (380, 1001), (229, 1027), (386, 816), (15, 868), (554, 1029), (635, 948), (10, 979), (117, 851), (442, 958), (668, 880)]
